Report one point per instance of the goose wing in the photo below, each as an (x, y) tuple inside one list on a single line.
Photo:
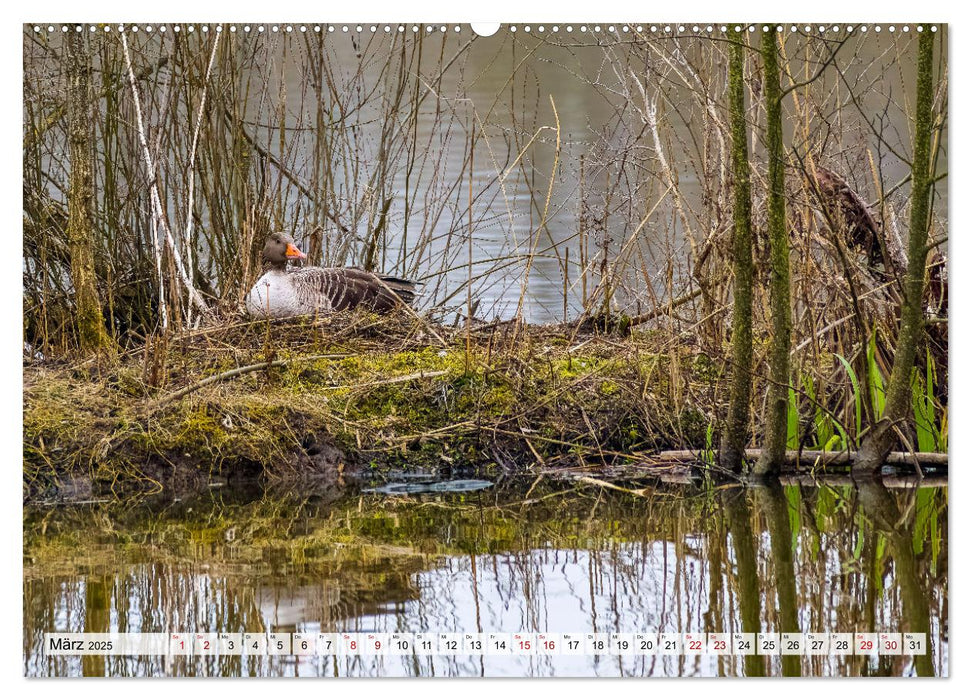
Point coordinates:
[(340, 288)]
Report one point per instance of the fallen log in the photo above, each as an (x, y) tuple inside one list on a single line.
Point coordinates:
[(811, 457), (890, 482), (666, 309), (237, 371)]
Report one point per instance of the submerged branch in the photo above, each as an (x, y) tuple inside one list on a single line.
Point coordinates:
[(842, 458)]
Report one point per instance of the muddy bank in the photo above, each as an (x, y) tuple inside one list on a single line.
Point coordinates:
[(353, 394)]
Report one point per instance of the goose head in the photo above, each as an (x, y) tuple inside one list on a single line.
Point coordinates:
[(279, 249)]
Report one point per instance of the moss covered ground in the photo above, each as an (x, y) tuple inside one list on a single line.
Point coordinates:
[(359, 392)]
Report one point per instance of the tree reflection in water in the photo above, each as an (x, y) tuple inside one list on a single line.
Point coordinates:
[(781, 558)]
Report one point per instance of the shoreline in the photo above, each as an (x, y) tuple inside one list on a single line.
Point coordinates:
[(358, 396)]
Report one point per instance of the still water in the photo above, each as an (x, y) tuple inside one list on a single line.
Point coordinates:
[(519, 556), (542, 171), (538, 146)]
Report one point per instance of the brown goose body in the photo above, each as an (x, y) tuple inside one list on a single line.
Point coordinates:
[(282, 292)]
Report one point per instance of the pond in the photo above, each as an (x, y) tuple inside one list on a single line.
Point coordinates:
[(518, 164), (536, 556)]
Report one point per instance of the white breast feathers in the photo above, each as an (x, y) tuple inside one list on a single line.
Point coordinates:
[(275, 296)]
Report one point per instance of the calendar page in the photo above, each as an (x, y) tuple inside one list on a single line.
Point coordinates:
[(612, 348)]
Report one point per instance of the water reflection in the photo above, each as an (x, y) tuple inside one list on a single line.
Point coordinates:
[(509, 559)]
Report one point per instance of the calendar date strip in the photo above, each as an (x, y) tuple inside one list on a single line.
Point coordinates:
[(484, 644)]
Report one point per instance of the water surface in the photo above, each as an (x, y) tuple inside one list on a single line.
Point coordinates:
[(544, 557)]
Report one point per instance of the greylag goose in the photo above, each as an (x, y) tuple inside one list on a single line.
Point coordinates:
[(298, 291)]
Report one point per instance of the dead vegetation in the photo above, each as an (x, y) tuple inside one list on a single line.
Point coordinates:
[(508, 206), (357, 391)]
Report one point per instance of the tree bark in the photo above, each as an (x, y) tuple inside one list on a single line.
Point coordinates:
[(880, 440), (91, 332), (777, 403), (735, 437)]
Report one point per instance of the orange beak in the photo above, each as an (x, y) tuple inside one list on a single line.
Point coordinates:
[(294, 252)]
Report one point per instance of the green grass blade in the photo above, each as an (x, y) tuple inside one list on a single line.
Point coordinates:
[(792, 423), (878, 393), (857, 401)]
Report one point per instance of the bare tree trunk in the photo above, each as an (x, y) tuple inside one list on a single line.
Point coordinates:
[(777, 403), (880, 439), (92, 335), (735, 438)]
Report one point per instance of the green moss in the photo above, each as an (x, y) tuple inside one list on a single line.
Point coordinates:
[(385, 404), (694, 426), (704, 369), (573, 367), (609, 388)]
